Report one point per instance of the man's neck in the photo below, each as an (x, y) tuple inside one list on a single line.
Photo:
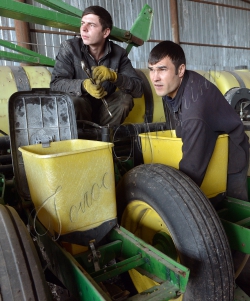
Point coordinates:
[(176, 91), (97, 51)]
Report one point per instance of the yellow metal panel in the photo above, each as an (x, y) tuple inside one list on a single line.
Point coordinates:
[(143, 221), (39, 77), (225, 81), (163, 147), (245, 76), (71, 184), (137, 114), (7, 88), (138, 111)]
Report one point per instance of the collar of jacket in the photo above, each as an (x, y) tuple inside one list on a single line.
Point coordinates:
[(107, 50), (176, 101)]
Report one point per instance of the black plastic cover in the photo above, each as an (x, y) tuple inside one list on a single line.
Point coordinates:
[(38, 116)]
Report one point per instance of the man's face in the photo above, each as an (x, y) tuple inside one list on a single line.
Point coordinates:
[(164, 78), (91, 30)]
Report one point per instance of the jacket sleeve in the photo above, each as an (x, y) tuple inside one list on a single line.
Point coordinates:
[(62, 78), (128, 80), (198, 146)]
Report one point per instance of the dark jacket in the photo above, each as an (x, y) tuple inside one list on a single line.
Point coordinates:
[(201, 114), (67, 75)]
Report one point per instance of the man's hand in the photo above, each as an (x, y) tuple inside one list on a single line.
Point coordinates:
[(102, 73), (96, 91)]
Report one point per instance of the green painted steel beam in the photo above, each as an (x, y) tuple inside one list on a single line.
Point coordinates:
[(107, 252), (79, 282), (62, 7), (235, 219), (29, 55), (118, 268), (238, 236), (75, 278), (22, 58), (163, 292), (142, 25), (239, 295), (33, 14), (156, 263)]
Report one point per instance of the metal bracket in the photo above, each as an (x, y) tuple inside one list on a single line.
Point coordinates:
[(44, 140), (94, 256)]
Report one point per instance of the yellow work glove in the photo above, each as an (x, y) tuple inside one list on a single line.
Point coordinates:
[(96, 91), (102, 73)]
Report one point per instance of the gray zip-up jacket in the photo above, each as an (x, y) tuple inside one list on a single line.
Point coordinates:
[(67, 75)]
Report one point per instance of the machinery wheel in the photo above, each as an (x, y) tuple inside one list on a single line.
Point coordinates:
[(155, 198), (21, 275)]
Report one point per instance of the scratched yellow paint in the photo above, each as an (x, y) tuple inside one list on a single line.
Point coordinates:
[(38, 76), (138, 112), (7, 88), (163, 147), (71, 184), (143, 221)]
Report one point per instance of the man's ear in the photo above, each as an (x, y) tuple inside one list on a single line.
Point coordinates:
[(181, 70), (106, 32)]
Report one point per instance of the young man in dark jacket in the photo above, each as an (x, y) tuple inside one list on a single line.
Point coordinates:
[(107, 64), (200, 113)]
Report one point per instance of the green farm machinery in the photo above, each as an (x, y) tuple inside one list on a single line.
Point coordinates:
[(104, 213)]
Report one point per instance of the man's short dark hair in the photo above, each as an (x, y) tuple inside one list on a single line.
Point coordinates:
[(104, 16), (170, 49)]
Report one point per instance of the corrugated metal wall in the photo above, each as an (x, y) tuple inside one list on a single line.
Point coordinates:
[(204, 28), (210, 27), (8, 34)]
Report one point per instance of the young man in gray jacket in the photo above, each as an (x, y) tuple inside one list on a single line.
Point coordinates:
[(107, 64), (200, 113)]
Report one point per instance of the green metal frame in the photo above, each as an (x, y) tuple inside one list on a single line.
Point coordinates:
[(235, 217), (68, 18), (133, 253), (27, 56)]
